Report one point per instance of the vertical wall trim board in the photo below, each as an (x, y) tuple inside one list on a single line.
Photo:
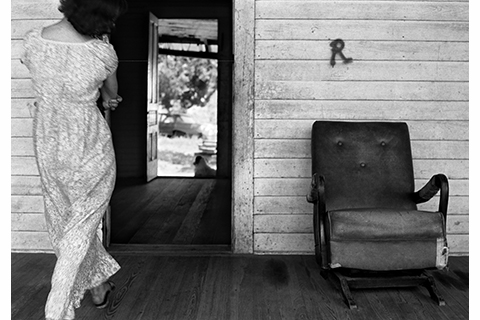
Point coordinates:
[(243, 111)]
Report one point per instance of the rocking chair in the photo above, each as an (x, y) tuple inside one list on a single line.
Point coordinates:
[(368, 230)]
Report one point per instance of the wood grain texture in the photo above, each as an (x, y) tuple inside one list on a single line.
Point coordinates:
[(458, 224), (30, 241), (284, 70), (16, 49), (342, 1), (303, 223), (237, 288), (301, 186), (340, 109), (301, 168), (46, 9), (348, 30), (293, 243), (24, 166), (22, 147), (21, 127), (458, 244), (242, 133), (172, 211), (188, 228), (21, 108), (301, 149), (22, 88), (361, 90), (410, 64), (32, 203), (25, 185), (371, 50), (24, 2), (458, 205), (363, 10), (20, 27), (34, 273), (303, 243), (419, 130), (19, 70), (28, 222)]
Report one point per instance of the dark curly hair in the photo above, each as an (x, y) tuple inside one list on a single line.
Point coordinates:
[(93, 18)]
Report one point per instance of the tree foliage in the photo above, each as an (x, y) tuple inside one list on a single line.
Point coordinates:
[(185, 82)]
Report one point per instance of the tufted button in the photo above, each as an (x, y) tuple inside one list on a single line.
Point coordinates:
[(363, 164), (340, 143), (383, 143)]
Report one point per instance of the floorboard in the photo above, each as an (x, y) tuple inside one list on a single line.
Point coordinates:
[(167, 231), (192, 220), (236, 287), (129, 204), (165, 211), (158, 212), (215, 225)]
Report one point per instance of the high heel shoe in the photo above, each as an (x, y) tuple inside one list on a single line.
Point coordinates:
[(104, 303)]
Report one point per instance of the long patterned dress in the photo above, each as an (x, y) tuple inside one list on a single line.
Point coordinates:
[(76, 161)]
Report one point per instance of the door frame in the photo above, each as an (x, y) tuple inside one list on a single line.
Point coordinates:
[(153, 95), (242, 121), (243, 126)]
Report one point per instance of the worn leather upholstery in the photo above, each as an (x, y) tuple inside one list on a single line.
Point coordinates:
[(384, 239), (372, 221), (356, 224), (365, 165)]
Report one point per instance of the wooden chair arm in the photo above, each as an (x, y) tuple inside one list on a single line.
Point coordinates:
[(317, 197), (312, 196), (431, 188)]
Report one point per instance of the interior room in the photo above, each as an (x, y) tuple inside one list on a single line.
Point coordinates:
[(179, 66)]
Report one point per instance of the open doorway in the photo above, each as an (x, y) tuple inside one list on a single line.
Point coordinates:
[(187, 97), (187, 87)]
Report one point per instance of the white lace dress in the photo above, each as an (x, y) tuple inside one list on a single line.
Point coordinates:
[(76, 161)]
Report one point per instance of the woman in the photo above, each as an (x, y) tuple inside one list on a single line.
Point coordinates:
[(72, 64)]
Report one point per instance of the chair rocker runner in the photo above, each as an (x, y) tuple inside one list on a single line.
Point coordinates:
[(368, 230)]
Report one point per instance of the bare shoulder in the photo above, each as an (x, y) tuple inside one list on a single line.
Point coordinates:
[(52, 32), (63, 32)]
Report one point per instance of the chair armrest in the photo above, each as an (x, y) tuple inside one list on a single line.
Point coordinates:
[(317, 191), (436, 183), (317, 197), (312, 196)]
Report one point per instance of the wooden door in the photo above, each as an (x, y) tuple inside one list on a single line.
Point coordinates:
[(153, 95)]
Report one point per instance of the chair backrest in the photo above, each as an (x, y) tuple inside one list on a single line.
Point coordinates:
[(365, 164)]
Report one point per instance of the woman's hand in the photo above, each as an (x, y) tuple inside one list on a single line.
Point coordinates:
[(112, 104)]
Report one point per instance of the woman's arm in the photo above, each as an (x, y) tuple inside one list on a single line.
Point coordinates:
[(109, 92)]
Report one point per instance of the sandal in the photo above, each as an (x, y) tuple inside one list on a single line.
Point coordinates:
[(104, 303), (70, 314)]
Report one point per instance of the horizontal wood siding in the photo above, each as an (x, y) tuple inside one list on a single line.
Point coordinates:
[(410, 64), (28, 232)]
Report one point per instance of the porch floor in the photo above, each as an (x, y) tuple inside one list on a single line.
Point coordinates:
[(171, 211), (243, 287)]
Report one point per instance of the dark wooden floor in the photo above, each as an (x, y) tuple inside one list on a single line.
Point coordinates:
[(172, 211), (236, 287)]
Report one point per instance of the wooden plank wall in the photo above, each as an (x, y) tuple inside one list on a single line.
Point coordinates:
[(28, 231), (410, 64)]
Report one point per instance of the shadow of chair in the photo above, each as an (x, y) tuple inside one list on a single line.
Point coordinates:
[(368, 230)]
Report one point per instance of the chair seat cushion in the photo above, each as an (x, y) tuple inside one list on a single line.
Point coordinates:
[(386, 239), (383, 224)]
